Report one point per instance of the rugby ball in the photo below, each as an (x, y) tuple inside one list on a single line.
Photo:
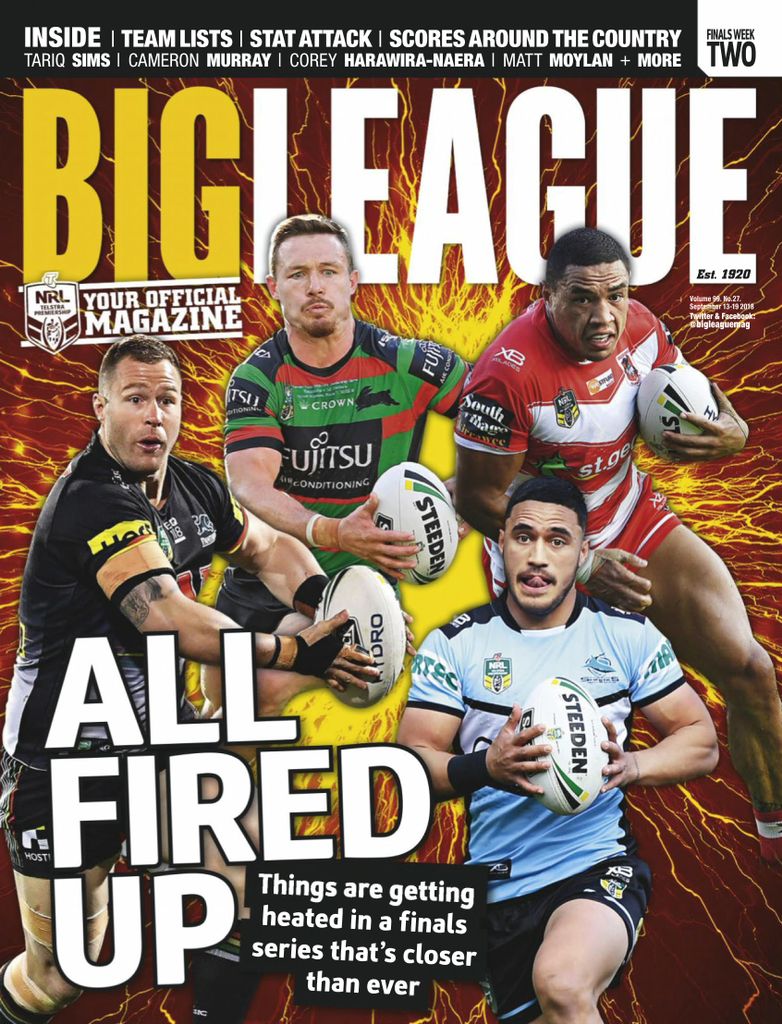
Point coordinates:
[(664, 395), (414, 500), (376, 625), (575, 732)]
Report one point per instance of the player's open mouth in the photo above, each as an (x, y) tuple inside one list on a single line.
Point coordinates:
[(600, 340), (151, 445)]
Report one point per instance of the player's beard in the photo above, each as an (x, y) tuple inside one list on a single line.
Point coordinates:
[(540, 611)]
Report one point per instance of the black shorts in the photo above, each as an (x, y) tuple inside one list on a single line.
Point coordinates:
[(517, 926), (26, 819), (249, 603)]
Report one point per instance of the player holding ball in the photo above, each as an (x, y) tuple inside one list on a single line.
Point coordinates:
[(556, 394), (566, 890)]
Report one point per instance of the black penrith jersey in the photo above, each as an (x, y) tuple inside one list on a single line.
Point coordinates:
[(96, 538)]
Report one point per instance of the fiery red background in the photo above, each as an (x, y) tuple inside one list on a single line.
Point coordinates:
[(712, 939)]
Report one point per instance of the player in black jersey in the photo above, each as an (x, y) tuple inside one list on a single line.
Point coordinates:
[(122, 545)]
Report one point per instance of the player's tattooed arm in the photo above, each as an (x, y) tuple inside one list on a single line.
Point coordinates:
[(135, 605)]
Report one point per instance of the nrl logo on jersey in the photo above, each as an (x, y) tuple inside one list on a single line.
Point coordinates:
[(566, 407), (497, 673), (52, 320)]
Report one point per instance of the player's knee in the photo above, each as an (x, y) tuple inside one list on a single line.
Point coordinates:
[(749, 679), (565, 996)]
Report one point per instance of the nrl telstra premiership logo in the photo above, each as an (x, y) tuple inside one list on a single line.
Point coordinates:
[(52, 320)]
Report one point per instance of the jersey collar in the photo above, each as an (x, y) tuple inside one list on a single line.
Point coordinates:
[(500, 606), (321, 371)]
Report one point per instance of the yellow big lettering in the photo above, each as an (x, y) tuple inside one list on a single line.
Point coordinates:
[(220, 203), (45, 181), (131, 185)]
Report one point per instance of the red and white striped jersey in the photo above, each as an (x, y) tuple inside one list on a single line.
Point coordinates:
[(574, 419)]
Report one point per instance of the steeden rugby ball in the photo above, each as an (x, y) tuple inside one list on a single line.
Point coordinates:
[(664, 395), (376, 626), (575, 732), (414, 500)]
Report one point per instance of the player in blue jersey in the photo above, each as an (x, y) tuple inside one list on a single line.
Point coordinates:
[(554, 880)]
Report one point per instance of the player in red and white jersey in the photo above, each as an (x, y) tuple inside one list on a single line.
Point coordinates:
[(572, 418), (555, 393)]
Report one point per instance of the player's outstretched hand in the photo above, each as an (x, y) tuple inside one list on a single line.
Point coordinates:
[(622, 768), (320, 650), (618, 585), (511, 757), (721, 437), (351, 668), (390, 550)]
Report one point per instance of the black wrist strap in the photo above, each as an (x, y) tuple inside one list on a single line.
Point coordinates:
[(307, 597), (277, 649), (468, 772)]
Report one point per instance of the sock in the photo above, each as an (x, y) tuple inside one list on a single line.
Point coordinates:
[(11, 1012), (769, 825), (222, 992)]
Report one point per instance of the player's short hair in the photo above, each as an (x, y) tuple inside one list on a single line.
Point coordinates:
[(583, 247), (306, 224), (142, 348), (551, 490)]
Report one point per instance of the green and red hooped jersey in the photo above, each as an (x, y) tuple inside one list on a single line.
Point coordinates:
[(340, 427)]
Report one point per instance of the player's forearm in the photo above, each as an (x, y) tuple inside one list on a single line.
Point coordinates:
[(281, 565), (685, 754), (482, 509), (157, 606), (436, 762), (272, 506)]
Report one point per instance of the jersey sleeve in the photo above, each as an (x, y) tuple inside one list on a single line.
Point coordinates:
[(229, 517), (439, 372), (251, 419), (656, 671), (493, 415), (667, 350), (436, 682), (104, 534)]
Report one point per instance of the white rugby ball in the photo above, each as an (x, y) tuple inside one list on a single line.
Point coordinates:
[(376, 626), (575, 732), (414, 500), (664, 395)]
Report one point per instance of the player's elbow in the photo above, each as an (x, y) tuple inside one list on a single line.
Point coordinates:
[(711, 755), (705, 749)]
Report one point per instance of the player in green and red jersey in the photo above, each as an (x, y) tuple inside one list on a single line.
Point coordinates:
[(321, 409), (313, 417)]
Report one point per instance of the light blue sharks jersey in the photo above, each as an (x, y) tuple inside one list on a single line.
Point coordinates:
[(480, 665)]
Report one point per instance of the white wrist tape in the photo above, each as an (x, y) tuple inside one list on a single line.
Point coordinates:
[(309, 530)]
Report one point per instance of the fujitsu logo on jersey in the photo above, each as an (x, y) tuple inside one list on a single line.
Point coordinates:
[(321, 455)]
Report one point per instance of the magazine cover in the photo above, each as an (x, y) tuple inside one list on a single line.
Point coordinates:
[(213, 810)]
